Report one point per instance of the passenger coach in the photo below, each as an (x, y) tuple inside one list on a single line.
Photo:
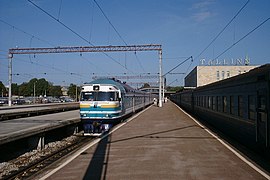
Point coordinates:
[(238, 106)]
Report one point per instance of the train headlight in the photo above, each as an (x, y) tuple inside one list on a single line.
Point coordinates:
[(83, 115)]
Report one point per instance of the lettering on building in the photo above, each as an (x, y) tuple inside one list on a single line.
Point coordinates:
[(226, 62)]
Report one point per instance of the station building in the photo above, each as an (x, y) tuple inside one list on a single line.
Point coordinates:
[(202, 75)]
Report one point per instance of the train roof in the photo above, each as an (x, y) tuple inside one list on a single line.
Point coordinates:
[(122, 86)]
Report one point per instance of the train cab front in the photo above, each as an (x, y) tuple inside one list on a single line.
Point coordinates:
[(100, 107)]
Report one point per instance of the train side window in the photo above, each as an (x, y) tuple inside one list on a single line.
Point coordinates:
[(214, 103), (251, 107), (202, 101), (219, 103), (232, 104), (211, 102), (224, 100), (240, 106), (262, 115)]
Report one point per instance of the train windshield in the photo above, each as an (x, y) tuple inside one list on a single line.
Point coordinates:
[(99, 96)]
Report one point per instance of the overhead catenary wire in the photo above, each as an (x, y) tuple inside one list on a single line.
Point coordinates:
[(30, 44), (223, 29), (179, 65), (250, 32), (117, 32), (74, 32), (110, 22), (31, 35)]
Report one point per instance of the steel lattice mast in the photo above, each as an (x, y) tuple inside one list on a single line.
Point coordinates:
[(150, 47), (104, 49)]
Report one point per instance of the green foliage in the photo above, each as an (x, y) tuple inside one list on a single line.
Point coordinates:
[(72, 91), (14, 89), (3, 90), (175, 89), (40, 86), (145, 85), (55, 91)]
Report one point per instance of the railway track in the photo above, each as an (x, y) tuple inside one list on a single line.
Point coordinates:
[(30, 169)]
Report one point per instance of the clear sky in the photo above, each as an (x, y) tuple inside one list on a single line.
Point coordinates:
[(184, 28)]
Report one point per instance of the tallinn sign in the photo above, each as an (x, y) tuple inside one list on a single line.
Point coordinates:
[(226, 62)]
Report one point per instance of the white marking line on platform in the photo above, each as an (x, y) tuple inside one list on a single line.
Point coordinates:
[(90, 145), (228, 147)]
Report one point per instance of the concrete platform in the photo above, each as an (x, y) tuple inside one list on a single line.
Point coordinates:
[(12, 112), (15, 129), (161, 143)]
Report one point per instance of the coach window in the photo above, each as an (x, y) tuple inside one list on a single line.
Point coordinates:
[(214, 103), (231, 104), (219, 103), (251, 107), (240, 106), (224, 100), (211, 102)]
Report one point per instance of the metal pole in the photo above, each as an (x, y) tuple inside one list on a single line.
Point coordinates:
[(163, 88), (34, 92), (76, 94), (9, 78), (160, 78)]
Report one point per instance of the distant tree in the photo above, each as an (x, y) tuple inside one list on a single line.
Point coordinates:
[(55, 91), (14, 89), (42, 86), (72, 91), (23, 91), (176, 89), (3, 90), (145, 85)]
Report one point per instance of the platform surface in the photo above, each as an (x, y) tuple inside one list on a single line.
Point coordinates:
[(161, 143), (14, 129)]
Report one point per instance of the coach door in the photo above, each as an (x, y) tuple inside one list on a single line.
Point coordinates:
[(262, 118)]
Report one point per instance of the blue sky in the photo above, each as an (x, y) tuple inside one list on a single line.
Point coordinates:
[(184, 28)]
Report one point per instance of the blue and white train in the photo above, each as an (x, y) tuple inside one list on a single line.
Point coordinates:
[(105, 102)]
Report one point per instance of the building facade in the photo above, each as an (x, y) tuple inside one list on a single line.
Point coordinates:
[(202, 75)]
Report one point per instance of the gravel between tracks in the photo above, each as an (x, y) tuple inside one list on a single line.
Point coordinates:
[(24, 160)]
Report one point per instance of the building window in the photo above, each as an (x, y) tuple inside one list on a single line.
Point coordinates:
[(251, 107), (223, 74), (240, 106), (218, 75), (224, 100), (228, 74), (239, 72)]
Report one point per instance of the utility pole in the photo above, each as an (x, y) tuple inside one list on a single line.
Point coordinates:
[(9, 78), (76, 94), (160, 78), (35, 92)]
